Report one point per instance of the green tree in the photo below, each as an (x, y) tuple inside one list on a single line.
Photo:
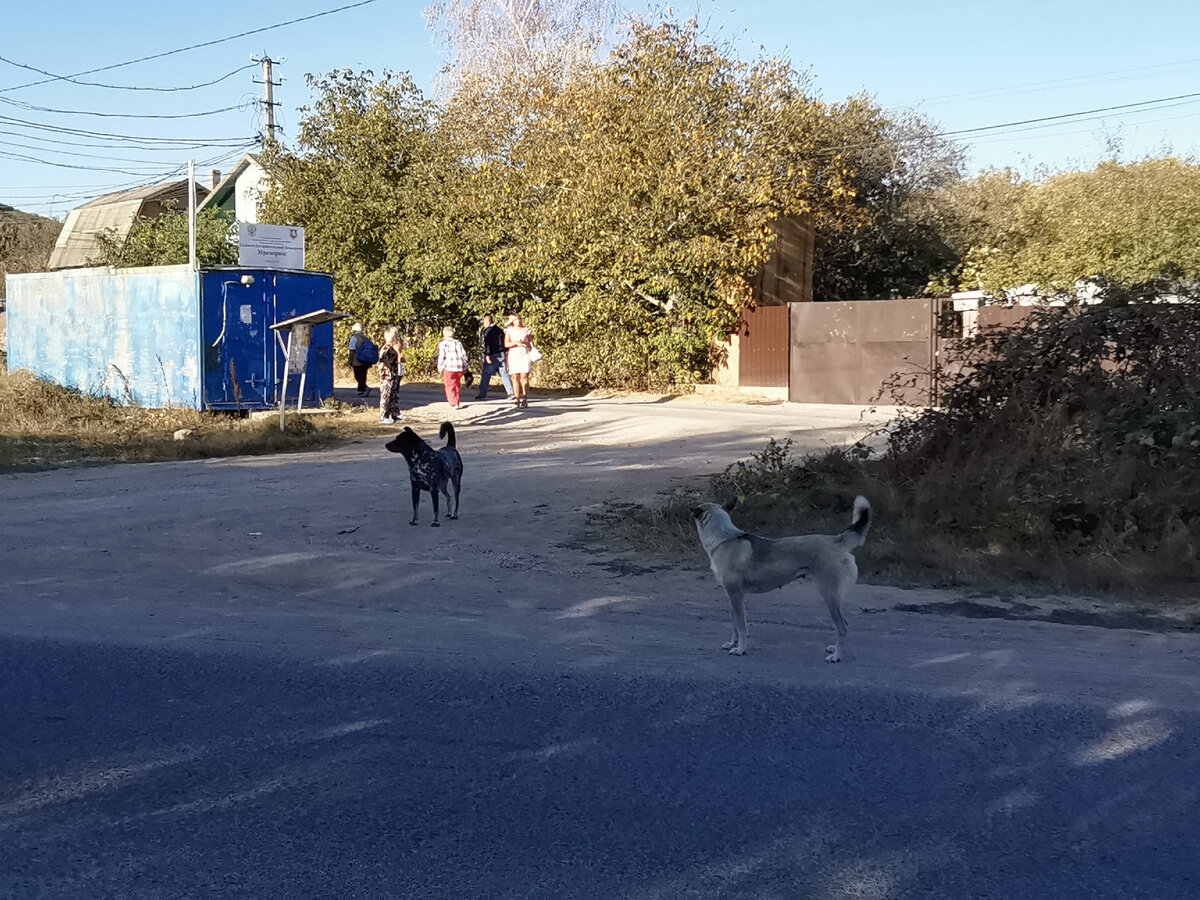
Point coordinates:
[(895, 239), (370, 183), (623, 209), (1129, 222), (163, 241), (25, 242), (632, 204)]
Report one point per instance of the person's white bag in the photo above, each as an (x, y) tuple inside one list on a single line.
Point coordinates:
[(534, 353)]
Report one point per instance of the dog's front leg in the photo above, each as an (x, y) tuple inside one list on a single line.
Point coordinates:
[(737, 609), (416, 492)]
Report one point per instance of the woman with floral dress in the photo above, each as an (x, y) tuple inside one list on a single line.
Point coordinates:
[(391, 370)]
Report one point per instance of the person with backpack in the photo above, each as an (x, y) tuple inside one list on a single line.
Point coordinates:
[(363, 355)]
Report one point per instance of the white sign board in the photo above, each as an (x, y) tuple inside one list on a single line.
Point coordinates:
[(270, 246)]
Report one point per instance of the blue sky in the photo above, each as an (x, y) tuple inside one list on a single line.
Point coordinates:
[(964, 65)]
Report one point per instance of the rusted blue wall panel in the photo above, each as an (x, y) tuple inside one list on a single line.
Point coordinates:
[(168, 336), (131, 334)]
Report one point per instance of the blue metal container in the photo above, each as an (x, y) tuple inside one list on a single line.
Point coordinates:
[(243, 359), (168, 335)]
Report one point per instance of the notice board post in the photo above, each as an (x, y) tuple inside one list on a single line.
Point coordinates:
[(295, 351)]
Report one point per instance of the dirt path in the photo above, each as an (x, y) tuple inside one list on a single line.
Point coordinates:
[(312, 554)]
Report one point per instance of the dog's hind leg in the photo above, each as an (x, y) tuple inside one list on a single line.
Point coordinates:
[(433, 495), (737, 609), (833, 591)]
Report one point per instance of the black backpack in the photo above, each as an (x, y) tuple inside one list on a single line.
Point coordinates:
[(368, 353)]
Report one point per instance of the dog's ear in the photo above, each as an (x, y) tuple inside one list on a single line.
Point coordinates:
[(729, 505)]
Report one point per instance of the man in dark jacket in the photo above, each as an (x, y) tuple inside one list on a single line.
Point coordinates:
[(491, 336)]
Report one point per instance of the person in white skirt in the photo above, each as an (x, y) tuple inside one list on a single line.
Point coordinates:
[(518, 340)]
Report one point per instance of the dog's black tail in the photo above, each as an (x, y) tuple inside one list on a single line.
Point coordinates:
[(860, 522), (448, 429)]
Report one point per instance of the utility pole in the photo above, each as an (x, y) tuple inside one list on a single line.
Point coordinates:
[(268, 100), (191, 216)]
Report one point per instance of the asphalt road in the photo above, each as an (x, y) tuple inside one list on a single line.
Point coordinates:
[(242, 678)]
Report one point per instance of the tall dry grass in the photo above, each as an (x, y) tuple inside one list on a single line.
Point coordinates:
[(44, 425), (1065, 455)]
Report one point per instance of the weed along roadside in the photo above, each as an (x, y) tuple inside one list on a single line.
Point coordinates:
[(43, 425), (46, 426), (1063, 458)]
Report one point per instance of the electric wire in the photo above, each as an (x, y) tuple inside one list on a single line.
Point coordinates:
[(84, 112), (232, 37), (1073, 81), (106, 157), (79, 132), (1073, 115), (127, 87), (109, 145)]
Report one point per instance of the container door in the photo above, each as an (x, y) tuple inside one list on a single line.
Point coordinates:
[(295, 295), (238, 342)]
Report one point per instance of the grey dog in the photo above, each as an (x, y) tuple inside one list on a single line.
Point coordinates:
[(747, 563)]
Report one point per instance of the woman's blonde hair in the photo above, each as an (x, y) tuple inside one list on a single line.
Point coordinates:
[(392, 334)]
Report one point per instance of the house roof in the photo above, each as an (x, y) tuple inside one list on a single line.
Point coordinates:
[(77, 245), (225, 187)]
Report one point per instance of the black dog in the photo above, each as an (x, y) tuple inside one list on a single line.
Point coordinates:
[(431, 470)]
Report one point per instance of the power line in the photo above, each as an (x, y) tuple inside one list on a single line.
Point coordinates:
[(76, 153), (123, 87), (983, 132), (45, 162), (232, 37), (79, 132), (1034, 86), (1072, 115), (84, 112), (159, 175), (123, 145)]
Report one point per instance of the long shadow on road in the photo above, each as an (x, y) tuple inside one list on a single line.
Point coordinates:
[(133, 772)]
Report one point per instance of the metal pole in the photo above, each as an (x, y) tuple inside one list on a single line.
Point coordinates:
[(283, 387), (192, 215)]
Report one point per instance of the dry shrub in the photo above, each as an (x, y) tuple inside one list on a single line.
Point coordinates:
[(43, 425), (1065, 454), (1069, 441)]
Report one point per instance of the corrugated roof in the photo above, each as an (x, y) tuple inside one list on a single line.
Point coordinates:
[(169, 191), (77, 245)]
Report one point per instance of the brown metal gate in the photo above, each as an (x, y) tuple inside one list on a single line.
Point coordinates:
[(762, 358), (844, 352)]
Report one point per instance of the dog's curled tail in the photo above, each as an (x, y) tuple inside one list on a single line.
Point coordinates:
[(448, 429), (860, 523)]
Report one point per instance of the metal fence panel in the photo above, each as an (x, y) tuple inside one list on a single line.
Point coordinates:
[(845, 352)]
